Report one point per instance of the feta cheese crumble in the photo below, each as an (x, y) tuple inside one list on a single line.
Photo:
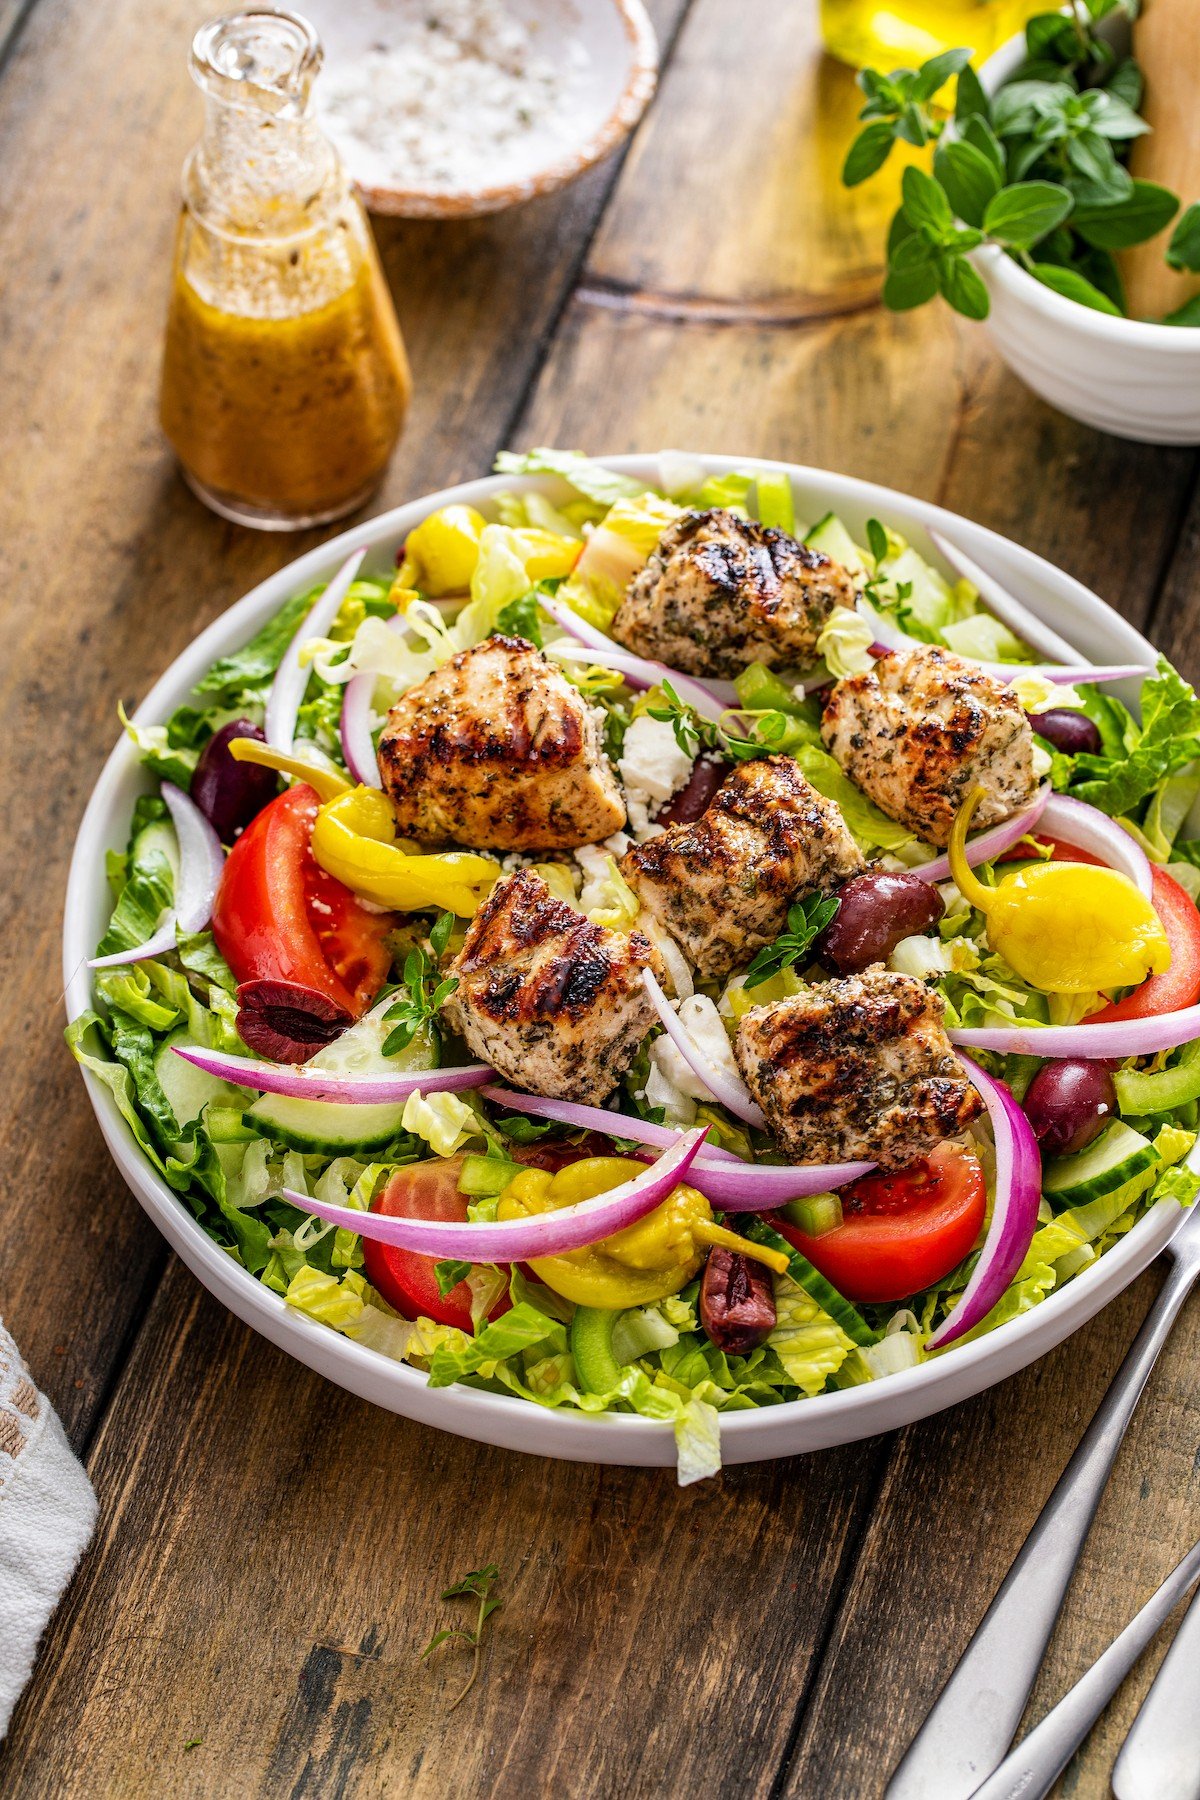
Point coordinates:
[(652, 768)]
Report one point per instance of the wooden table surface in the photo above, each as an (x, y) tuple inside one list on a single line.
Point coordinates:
[(270, 1550)]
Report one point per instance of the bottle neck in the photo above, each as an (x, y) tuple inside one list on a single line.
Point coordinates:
[(262, 168)]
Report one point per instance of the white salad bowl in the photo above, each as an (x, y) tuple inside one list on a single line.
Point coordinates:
[(515, 1424), (1134, 379)]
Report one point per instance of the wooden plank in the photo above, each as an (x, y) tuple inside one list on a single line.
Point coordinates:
[(268, 1566), (110, 567)]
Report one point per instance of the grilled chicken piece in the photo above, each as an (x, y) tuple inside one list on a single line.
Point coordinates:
[(497, 750), (921, 729), (719, 593), (856, 1068), (722, 886), (553, 1002)]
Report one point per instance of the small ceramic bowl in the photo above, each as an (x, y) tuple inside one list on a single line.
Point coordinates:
[(1125, 376), (604, 59)]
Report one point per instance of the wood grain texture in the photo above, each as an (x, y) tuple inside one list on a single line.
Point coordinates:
[(110, 567), (271, 1549)]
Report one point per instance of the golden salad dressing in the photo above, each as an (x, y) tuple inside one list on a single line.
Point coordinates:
[(285, 382), (888, 34)]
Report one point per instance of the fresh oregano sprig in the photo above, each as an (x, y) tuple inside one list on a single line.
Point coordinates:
[(1037, 170), (478, 1584), (805, 923), (420, 1003)]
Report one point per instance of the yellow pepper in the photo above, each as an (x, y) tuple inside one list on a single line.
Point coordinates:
[(1066, 928), (545, 554), (646, 1261), (354, 839), (440, 555), (327, 783)]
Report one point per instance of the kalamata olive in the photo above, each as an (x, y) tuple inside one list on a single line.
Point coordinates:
[(1069, 731), (737, 1302), (875, 911), (231, 793), (286, 1020), (1068, 1104), (695, 796)]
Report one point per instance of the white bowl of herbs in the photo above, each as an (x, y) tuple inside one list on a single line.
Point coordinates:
[(1027, 200)]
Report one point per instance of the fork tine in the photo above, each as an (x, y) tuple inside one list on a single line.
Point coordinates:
[(1006, 607)]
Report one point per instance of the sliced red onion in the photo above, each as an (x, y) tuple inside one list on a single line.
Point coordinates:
[(993, 842), (1009, 610), (728, 1090), (598, 1118), (1014, 1210), (358, 747), (707, 698), (307, 1083), (1116, 1038), (519, 1240), (729, 1181), (1077, 823), (201, 861), (287, 690)]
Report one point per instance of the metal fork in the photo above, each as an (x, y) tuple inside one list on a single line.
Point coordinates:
[(973, 1722)]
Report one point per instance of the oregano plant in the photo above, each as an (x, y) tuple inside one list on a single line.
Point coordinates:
[(1039, 169)]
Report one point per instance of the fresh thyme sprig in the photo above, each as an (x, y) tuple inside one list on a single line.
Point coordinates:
[(806, 921), (419, 1005), (478, 1584), (694, 733)]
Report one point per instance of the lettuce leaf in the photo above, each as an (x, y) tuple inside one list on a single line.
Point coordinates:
[(871, 829), (810, 1346), (252, 667), (591, 479), (1166, 741)]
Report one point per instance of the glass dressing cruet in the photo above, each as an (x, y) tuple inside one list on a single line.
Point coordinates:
[(285, 382)]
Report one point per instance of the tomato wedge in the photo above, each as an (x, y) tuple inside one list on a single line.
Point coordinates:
[(1178, 986), (429, 1190), (279, 916), (900, 1232), (407, 1281)]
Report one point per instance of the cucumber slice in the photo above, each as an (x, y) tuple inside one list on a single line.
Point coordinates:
[(1117, 1156), (813, 1282), (325, 1125), (830, 536), (189, 1089), (591, 1339)]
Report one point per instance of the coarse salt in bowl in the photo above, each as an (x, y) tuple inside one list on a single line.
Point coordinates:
[(452, 108)]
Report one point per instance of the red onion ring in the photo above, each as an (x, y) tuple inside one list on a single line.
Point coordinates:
[(1091, 1043), (993, 842), (201, 861), (728, 1090), (729, 1181), (307, 1083), (1014, 1210), (291, 678), (1007, 609), (1075, 822), (358, 749), (638, 670), (519, 1240)]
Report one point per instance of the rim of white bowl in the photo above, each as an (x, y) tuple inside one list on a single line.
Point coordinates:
[(584, 1437), (1180, 341)]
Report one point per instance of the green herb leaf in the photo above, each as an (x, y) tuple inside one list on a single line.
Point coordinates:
[(970, 101), (925, 203), (868, 153), (877, 540), (1187, 314), (963, 287), (806, 920), (478, 1584), (980, 135), (1183, 252), (934, 74), (913, 287), (969, 178), (1020, 215), (1143, 214), (1073, 286)]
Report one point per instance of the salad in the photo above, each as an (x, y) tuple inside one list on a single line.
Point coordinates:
[(644, 952)]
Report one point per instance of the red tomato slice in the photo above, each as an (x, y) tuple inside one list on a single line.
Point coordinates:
[(427, 1190), (279, 916), (903, 1231), (1178, 986)]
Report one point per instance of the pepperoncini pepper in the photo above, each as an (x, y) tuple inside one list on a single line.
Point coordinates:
[(441, 553), (1066, 928), (354, 839), (646, 1261), (327, 784)]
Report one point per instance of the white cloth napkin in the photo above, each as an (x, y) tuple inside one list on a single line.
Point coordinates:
[(47, 1513)]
